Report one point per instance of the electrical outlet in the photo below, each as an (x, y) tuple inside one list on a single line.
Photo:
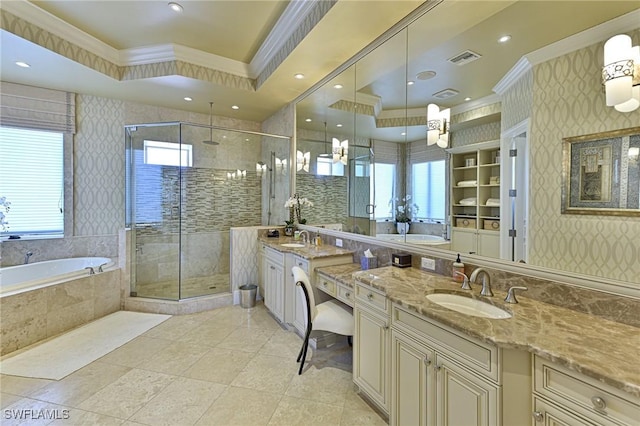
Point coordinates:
[(338, 242), (428, 264)]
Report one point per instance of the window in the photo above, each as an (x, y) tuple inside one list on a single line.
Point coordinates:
[(32, 180), (382, 190), (326, 167), (428, 189), (168, 154)]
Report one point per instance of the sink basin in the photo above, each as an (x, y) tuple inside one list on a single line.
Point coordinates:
[(468, 306), (292, 245)]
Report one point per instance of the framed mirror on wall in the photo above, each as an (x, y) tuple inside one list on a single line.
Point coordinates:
[(492, 73)]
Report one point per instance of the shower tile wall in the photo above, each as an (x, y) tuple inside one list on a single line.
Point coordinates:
[(329, 196)]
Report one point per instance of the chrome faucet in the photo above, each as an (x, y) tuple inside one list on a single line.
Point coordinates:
[(304, 234), (100, 267), (486, 281), (27, 256), (465, 280), (511, 295), (91, 270)]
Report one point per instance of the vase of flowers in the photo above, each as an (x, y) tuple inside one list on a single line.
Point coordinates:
[(4, 208), (295, 204), (404, 212)]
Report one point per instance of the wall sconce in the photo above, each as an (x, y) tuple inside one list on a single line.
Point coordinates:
[(634, 153), (238, 174), (261, 167), (621, 73), (281, 165), (303, 160), (340, 150), (438, 126)]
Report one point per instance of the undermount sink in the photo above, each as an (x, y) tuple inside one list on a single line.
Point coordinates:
[(292, 245), (468, 306)]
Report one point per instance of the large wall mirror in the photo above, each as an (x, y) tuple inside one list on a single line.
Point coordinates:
[(456, 194)]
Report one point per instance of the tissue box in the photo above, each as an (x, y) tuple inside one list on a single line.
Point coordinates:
[(401, 260), (368, 262)]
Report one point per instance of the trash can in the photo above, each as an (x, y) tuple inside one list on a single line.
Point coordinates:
[(248, 295)]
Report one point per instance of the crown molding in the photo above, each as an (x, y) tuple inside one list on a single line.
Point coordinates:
[(474, 104), (291, 18), (597, 34), (48, 22)]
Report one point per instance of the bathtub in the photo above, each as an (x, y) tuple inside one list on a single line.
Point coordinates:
[(16, 279), (422, 239)]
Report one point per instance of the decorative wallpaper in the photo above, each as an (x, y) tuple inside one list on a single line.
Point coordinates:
[(517, 102), (568, 100), (475, 134)]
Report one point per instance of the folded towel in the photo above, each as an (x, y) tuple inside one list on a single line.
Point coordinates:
[(468, 201), (468, 183), (493, 202)]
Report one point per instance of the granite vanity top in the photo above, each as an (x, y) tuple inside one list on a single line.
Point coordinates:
[(600, 348), (341, 273), (309, 251)]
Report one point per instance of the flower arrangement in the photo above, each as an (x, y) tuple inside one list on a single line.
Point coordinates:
[(404, 212), (295, 204), (4, 205)]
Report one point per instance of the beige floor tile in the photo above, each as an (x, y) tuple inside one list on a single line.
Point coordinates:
[(266, 373), (85, 418), (174, 327), (29, 411), (23, 386), (7, 399), (175, 358), (260, 318), (208, 334), (128, 394), (327, 385), (295, 411), (361, 417), (219, 365), (246, 339), (181, 403), (136, 352), (81, 384), (282, 343), (353, 401), (239, 406)]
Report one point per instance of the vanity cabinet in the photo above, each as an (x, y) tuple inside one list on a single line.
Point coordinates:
[(475, 199), (273, 281), (371, 344), (566, 397), (439, 376)]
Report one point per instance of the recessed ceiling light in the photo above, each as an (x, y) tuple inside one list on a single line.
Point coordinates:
[(467, 98), (188, 99), (235, 107), (299, 76), (425, 75), (338, 86), (22, 64), (403, 134), (308, 120), (338, 125), (175, 7), (504, 38), (410, 83)]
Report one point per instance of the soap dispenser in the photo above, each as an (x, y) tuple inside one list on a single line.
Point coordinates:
[(458, 266)]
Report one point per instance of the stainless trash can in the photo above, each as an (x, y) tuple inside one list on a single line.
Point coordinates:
[(248, 295)]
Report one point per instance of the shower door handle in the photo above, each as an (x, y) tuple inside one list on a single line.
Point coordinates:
[(370, 208)]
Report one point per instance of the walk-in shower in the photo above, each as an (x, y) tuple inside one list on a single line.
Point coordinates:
[(183, 196)]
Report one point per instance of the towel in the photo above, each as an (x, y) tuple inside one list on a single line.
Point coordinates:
[(494, 202), (468, 183), (468, 201)]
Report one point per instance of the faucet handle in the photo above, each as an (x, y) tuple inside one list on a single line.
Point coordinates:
[(91, 270), (100, 267), (465, 281), (511, 295), (486, 286)]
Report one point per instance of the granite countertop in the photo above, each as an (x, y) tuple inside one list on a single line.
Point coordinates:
[(341, 273), (309, 251), (599, 348)]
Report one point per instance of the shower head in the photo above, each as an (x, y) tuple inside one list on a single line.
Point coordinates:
[(210, 141)]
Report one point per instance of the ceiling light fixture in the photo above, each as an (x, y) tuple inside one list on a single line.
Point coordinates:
[(338, 86), (425, 75), (188, 99), (308, 120), (505, 38), (410, 83), (235, 107), (438, 126), (621, 73), (467, 99), (298, 76), (22, 64), (338, 125), (176, 7)]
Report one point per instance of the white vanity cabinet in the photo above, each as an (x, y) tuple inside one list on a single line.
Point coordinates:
[(273, 281), (371, 344), (566, 397), (439, 376)]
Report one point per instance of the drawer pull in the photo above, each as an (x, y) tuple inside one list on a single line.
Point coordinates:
[(272, 267), (300, 264), (427, 361), (598, 403), (370, 296), (437, 367), (347, 295), (538, 416)]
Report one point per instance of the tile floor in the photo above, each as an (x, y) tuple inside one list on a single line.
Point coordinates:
[(229, 366)]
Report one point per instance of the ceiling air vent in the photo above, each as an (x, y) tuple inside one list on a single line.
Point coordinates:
[(445, 94), (465, 57)]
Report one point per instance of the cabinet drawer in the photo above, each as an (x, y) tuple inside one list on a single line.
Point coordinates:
[(274, 255), (327, 285), (597, 401), (301, 263), (545, 413), (476, 356), (345, 294), (372, 298)]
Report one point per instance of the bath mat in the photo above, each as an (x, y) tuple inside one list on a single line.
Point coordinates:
[(62, 355)]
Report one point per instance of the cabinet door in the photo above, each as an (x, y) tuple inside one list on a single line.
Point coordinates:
[(489, 244), (274, 289), (370, 356), (546, 414), (463, 398), (412, 386), (464, 240)]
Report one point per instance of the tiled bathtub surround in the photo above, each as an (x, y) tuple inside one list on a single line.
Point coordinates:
[(42, 313), (328, 194)]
